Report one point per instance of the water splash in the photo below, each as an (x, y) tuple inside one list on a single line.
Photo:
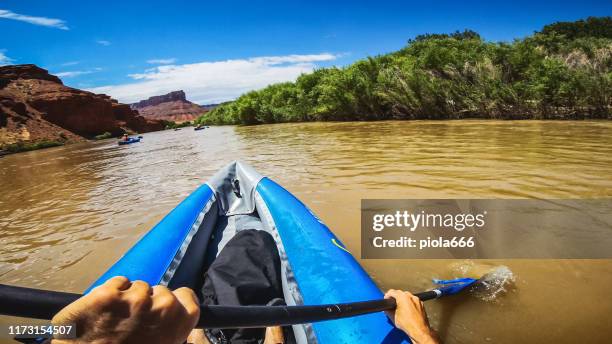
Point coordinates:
[(496, 282)]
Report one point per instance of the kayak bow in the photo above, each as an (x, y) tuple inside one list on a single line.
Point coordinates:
[(316, 268)]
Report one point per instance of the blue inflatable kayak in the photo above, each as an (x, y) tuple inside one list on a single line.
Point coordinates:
[(316, 268), (129, 141)]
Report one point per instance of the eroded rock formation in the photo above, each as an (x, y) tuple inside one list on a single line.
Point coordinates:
[(36, 106)]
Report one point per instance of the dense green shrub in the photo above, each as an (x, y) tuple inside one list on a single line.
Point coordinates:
[(105, 135), (28, 146), (174, 125), (562, 72)]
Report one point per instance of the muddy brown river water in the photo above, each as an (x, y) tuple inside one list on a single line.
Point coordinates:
[(67, 213)]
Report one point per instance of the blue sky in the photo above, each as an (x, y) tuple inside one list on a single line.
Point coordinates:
[(215, 50)]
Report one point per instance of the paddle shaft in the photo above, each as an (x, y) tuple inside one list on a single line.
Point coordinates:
[(44, 304)]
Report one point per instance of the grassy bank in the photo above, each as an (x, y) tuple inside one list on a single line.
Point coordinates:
[(562, 72), (174, 125), (103, 136), (28, 146)]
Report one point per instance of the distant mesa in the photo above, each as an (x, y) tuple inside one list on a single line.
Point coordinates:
[(156, 100), (36, 106), (173, 106)]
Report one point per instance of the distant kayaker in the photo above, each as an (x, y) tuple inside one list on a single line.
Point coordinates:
[(125, 137), (120, 311)]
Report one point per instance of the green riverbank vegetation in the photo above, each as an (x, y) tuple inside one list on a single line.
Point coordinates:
[(174, 125), (25, 146), (563, 71), (103, 136)]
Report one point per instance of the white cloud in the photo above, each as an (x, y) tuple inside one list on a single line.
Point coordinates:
[(162, 61), (72, 74), (213, 82), (103, 42), (42, 21), (70, 63), (4, 60)]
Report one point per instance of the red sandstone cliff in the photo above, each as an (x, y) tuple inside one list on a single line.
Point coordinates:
[(35, 106), (173, 106)]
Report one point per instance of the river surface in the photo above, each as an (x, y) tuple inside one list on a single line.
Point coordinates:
[(67, 213)]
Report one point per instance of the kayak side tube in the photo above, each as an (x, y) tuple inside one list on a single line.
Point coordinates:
[(325, 271), (159, 247)]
